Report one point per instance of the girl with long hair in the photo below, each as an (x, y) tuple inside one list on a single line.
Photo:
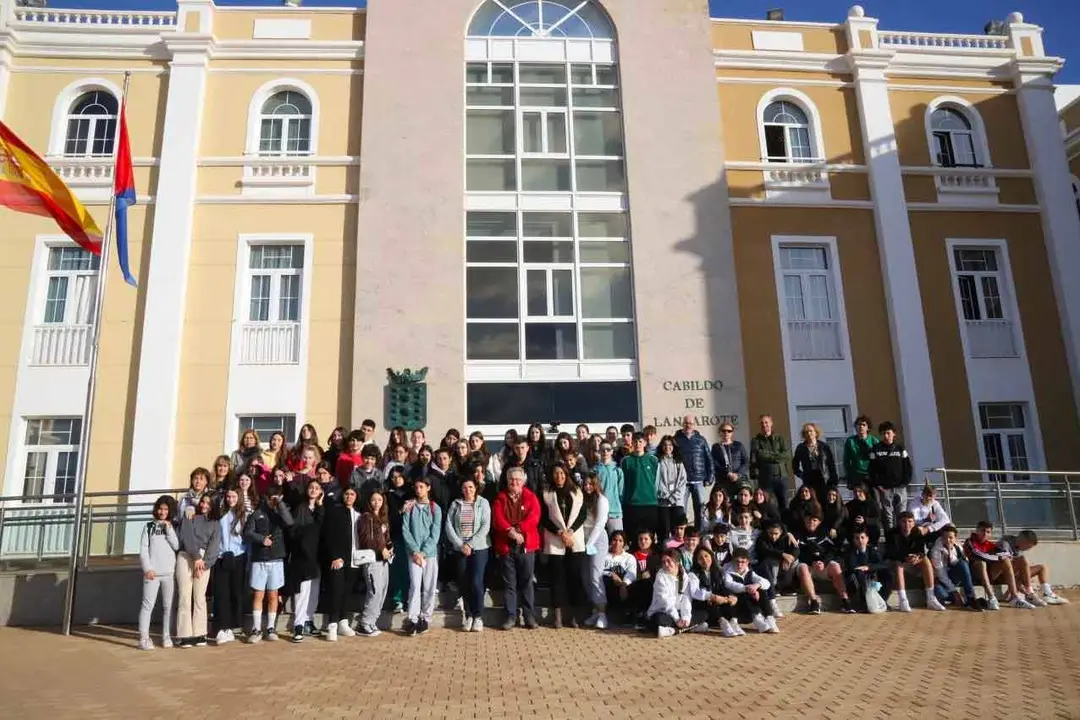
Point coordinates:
[(716, 512), (303, 567), (596, 550), (468, 525), (671, 487), (229, 573), (562, 519), (223, 472), (341, 572), (274, 454), (374, 534)]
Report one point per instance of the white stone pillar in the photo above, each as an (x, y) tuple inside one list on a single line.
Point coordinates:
[(907, 325), (153, 445), (7, 42), (1033, 75)]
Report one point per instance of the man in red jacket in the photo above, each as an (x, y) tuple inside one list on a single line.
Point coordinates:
[(516, 540)]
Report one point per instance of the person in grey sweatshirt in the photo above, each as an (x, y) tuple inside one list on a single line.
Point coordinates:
[(157, 558), (200, 542)]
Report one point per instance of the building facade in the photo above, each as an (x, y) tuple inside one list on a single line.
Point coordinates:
[(604, 212)]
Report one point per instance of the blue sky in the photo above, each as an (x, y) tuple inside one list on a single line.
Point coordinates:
[(1061, 17)]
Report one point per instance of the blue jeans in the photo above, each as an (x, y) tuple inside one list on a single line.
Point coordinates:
[(470, 579), (960, 574)]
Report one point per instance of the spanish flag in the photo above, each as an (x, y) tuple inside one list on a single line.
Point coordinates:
[(29, 185)]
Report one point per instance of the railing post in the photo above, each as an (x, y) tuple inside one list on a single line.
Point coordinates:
[(1000, 504), (945, 491), (1068, 499), (41, 539), (2, 513), (89, 535)]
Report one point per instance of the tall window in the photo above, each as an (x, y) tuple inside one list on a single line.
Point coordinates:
[(811, 310), (91, 125), (52, 457), (285, 124), (1003, 427), (266, 425), (953, 138), (787, 133), (979, 284), (72, 274), (276, 273)]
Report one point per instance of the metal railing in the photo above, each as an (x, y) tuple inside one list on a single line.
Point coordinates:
[(1047, 502)]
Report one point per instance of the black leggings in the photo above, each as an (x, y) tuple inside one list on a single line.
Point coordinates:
[(566, 580), (340, 592), (229, 576)]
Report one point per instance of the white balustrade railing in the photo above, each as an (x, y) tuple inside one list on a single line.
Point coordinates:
[(960, 180), (95, 18), (941, 41), (991, 339), (36, 530), (270, 343), (60, 344), (284, 171), (814, 339), (796, 176), (84, 171)]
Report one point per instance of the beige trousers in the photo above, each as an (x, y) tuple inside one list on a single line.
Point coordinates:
[(191, 605)]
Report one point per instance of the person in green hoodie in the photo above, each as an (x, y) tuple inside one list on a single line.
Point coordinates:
[(641, 512), (857, 453)]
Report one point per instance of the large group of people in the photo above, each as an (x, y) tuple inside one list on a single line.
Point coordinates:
[(668, 534)]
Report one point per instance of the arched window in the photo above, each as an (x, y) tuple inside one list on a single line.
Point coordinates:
[(285, 124), (953, 138), (787, 133), (91, 125), (541, 18)]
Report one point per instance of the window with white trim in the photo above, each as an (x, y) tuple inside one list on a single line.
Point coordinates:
[(51, 447), (265, 426), (953, 138), (91, 125), (71, 275), (810, 307), (285, 124), (788, 136), (834, 421), (980, 288), (276, 272), (1003, 429)]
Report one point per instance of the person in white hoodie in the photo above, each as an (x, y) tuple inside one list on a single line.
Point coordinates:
[(157, 558), (751, 589), (672, 600), (596, 550), (951, 569), (930, 516)]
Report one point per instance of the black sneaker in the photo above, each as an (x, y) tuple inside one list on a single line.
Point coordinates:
[(975, 606), (530, 622), (409, 627), (298, 633), (421, 626), (366, 631), (310, 629), (813, 607), (185, 643), (200, 641), (846, 607)]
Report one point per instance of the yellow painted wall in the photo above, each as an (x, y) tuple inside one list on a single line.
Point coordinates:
[(239, 23), (816, 39)]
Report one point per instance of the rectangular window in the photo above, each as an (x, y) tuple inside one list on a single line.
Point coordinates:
[(811, 310), (275, 277), (1003, 427), (52, 458), (489, 132), (71, 283), (979, 286), (833, 421), (266, 425), (509, 404)]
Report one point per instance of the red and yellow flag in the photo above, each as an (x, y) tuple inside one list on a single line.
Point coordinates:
[(29, 185)]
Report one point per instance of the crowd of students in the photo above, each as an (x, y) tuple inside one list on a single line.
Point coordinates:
[(348, 528)]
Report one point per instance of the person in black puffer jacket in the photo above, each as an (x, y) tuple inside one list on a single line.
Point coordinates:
[(303, 569), (711, 578)]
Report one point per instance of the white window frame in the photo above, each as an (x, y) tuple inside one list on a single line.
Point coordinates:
[(70, 308), (264, 435), (1030, 444), (52, 453), (255, 116), (286, 122), (835, 440), (276, 277), (1006, 294), (974, 118), (832, 284), (62, 106), (803, 101)]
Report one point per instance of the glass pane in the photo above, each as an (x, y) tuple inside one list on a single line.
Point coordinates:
[(53, 431), (969, 301), (543, 97), (604, 252), (490, 175), (104, 137), (491, 251), (995, 458), (33, 431), (1018, 457), (803, 258), (606, 293), (1001, 416), (596, 97), (532, 132), (562, 292), (491, 292), (547, 224), (490, 224), (964, 145), (77, 133), (793, 295), (546, 74), (800, 143), (489, 96), (502, 73), (545, 175), (598, 133), (266, 425), (536, 292), (548, 252), (56, 299), (72, 259), (67, 465), (489, 132), (556, 133), (608, 341), (991, 298), (581, 74), (611, 225), (491, 341), (551, 341), (819, 303), (260, 298), (776, 143), (289, 301), (276, 257), (299, 140), (516, 404), (476, 73), (607, 75), (600, 176), (34, 474), (270, 135)]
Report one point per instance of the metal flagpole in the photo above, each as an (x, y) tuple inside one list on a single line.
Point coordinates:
[(91, 386)]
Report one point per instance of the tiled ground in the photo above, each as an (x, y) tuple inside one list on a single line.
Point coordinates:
[(992, 665)]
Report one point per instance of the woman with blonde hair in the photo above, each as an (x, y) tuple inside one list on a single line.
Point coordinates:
[(223, 473), (249, 447), (813, 462)]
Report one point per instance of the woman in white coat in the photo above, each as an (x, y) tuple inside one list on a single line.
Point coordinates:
[(672, 600), (596, 550), (563, 520)]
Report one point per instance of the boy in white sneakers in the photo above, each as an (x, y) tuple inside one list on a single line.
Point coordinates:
[(751, 589), (1004, 562)]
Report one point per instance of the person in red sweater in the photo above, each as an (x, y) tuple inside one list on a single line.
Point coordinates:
[(350, 458), (516, 540)]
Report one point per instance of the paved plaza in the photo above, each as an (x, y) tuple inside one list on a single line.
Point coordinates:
[(958, 664)]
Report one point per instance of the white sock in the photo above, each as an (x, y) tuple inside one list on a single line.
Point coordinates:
[(929, 594), (902, 594), (1047, 590), (256, 620), (271, 621)]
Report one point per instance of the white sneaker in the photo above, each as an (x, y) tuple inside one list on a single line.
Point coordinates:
[(467, 624), (905, 604), (1035, 600), (737, 628), (773, 627), (992, 603), (727, 630), (255, 636), (1021, 604), (1054, 599), (345, 629), (775, 609), (460, 604), (664, 632), (933, 604), (591, 620), (222, 637), (145, 644), (601, 621), (331, 633), (477, 625), (700, 628), (166, 642), (760, 624)]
